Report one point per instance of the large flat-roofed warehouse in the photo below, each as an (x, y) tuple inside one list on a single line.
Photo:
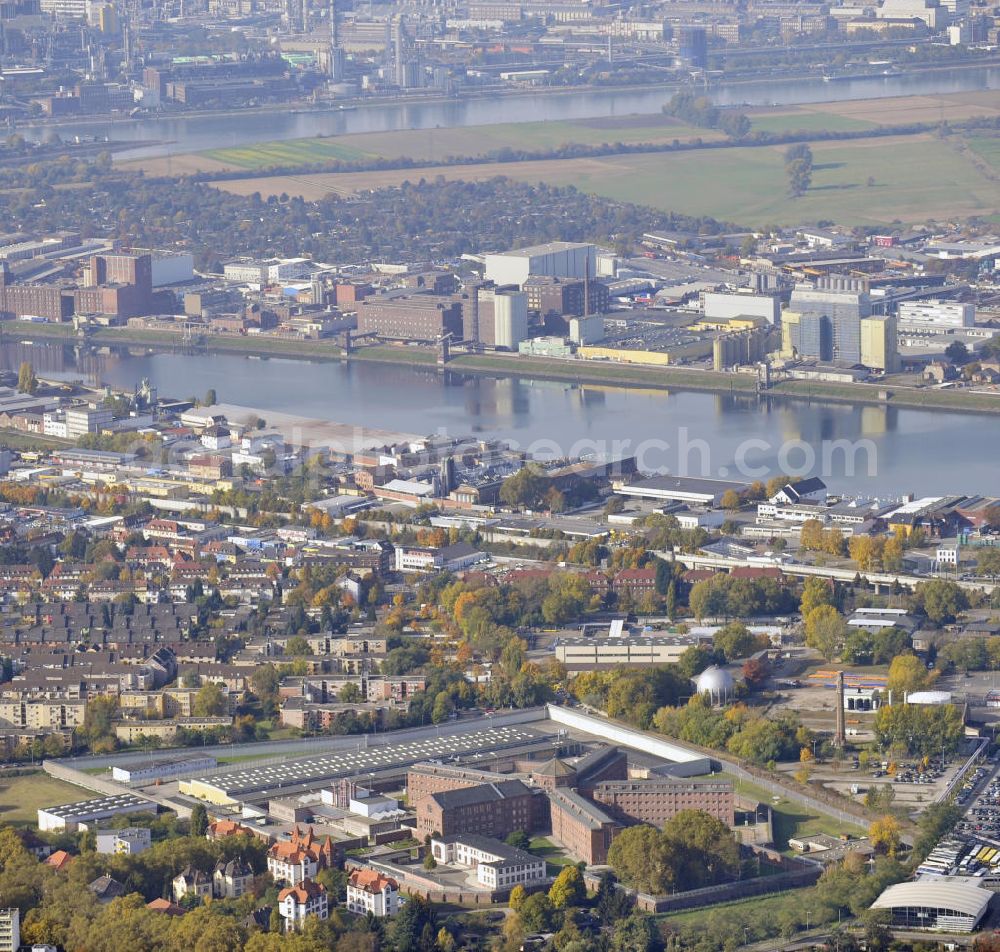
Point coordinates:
[(699, 492), (383, 761), (73, 816), (171, 767), (948, 903)]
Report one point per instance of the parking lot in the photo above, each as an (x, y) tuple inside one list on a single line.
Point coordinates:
[(973, 847)]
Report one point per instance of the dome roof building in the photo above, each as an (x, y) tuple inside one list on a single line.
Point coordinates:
[(716, 682)]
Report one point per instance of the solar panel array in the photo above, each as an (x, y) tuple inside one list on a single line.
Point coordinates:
[(307, 770)]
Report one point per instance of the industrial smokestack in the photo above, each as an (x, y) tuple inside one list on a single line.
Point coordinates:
[(840, 737)]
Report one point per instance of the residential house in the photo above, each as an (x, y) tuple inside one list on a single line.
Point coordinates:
[(192, 882), (296, 903), (369, 891), (231, 880)]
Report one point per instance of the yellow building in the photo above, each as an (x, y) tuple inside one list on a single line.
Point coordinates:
[(878, 344), (728, 324), (789, 332), (651, 358)]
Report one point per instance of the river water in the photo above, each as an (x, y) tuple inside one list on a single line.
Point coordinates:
[(714, 435), (194, 133)]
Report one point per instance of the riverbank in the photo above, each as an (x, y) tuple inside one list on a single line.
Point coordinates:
[(580, 372), (339, 106)]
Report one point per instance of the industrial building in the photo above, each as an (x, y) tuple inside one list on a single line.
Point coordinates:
[(588, 654), (383, 762), (560, 259), (935, 317), (879, 348), (740, 348), (495, 317), (552, 297), (689, 489), (71, 817), (168, 769), (416, 317), (724, 306), (830, 315)]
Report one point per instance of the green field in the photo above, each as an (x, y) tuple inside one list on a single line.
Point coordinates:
[(859, 182), (807, 122), (987, 149), (914, 179), (21, 797), (435, 145), (290, 152)]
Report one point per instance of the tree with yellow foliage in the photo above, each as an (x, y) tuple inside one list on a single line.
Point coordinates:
[(884, 835)]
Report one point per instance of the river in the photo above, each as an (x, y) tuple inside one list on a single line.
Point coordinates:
[(894, 450), (183, 134)]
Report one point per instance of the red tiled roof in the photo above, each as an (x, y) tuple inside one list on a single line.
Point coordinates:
[(59, 860), (371, 880), (305, 891)]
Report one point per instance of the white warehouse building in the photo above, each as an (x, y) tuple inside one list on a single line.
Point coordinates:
[(559, 259), (723, 306)]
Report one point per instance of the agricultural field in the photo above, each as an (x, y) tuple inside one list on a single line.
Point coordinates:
[(865, 181), (265, 155), (432, 145), (988, 149), (807, 120), (22, 797)]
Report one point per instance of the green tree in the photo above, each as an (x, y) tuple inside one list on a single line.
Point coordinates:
[(940, 600), (815, 592), (518, 839), (957, 352), (442, 707), (988, 562), (735, 641), (199, 820), (27, 382), (536, 913), (210, 701), (635, 933), (350, 693), (826, 631), (210, 398), (907, 673), (525, 488)]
